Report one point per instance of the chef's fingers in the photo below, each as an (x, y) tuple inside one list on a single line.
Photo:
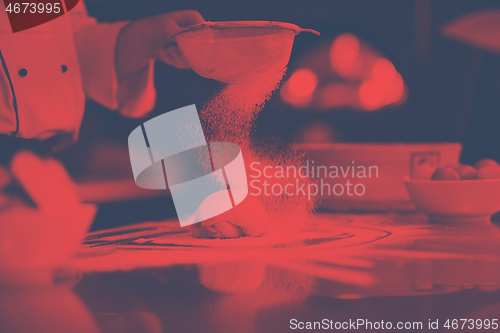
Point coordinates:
[(252, 217), (44, 182), (227, 230), (248, 218), (207, 223), (174, 21), (186, 18), (173, 56), (189, 17), (210, 225), (198, 231), (219, 226)]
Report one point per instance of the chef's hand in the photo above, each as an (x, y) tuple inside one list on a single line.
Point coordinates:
[(42, 219), (249, 218), (151, 38), (35, 180), (169, 52)]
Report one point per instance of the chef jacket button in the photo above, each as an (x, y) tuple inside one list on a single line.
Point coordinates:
[(23, 72), (64, 68)]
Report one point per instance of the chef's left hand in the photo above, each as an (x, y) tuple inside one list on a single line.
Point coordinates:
[(248, 218), (151, 38)]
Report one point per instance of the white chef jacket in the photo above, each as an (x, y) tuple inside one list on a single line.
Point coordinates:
[(47, 71)]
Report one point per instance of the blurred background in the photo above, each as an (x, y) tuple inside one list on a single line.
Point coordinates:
[(381, 71)]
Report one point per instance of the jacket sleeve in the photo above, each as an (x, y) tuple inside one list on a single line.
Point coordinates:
[(95, 43)]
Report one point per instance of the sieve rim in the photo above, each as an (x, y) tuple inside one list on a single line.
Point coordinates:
[(237, 24)]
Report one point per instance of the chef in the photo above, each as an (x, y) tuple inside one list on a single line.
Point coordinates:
[(47, 71)]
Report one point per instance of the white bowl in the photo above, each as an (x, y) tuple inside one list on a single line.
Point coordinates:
[(456, 200), (393, 161)]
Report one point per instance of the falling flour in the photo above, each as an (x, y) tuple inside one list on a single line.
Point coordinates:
[(230, 116)]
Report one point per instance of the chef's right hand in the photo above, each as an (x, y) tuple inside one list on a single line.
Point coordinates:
[(168, 52), (151, 38), (45, 181), (42, 219)]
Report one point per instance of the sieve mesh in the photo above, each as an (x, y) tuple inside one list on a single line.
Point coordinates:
[(234, 51)]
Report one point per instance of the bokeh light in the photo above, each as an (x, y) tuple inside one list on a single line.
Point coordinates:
[(303, 82), (345, 58), (298, 90), (357, 76)]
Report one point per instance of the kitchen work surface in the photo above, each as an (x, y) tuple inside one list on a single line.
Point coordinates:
[(340, 267)]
